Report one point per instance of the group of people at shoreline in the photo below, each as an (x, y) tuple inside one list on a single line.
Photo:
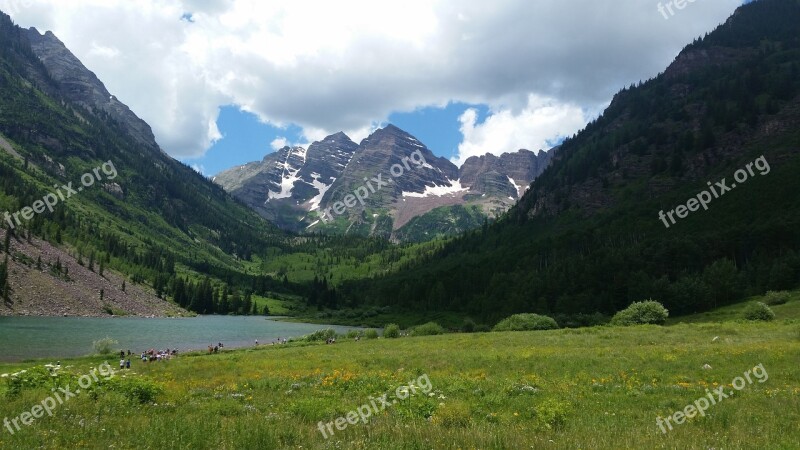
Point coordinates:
[(215, 348), (278, 341), (154, 355), (151, 355)]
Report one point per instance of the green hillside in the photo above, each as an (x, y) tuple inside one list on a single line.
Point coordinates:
[(152, 219), (588, 237)]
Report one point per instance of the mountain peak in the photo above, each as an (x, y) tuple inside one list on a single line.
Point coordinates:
[(300, 186), (394, 128), (338, 137), (392, 131)]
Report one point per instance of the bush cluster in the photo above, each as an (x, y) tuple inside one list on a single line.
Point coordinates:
[(371, 334), (526, 322), (105, 346), (320, 335), (776, 298), (428, 329), (391, 331), (759, 311), (641, 313)]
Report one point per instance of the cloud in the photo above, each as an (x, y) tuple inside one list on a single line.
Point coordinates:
[(199, 168), (279, 143), (532, 128), (102, 51), (345, 65)]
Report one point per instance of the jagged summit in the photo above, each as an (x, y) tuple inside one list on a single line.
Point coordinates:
[(293, 186)]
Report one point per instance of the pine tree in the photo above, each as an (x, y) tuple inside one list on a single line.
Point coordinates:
[(7, 244), (236, 302), (123, 285), (4, 275), (247, 303)]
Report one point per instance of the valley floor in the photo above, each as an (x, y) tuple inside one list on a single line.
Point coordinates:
[(600, 387)]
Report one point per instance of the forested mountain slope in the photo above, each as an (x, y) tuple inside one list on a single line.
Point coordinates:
[(141, 220), (588, 236)]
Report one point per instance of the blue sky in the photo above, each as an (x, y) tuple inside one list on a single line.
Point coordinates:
[(246, 139)]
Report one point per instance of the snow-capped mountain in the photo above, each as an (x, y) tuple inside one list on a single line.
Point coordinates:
[(390, 185), (289, 183)]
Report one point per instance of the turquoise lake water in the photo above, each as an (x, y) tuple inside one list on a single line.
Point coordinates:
[(60, 337)]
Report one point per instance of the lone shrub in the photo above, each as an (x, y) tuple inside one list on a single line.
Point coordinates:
[(371, 334), (526, 322), (320, 335), (391, 331), (428, 329), (641, 313), (352, 334), (776, 298), (105, 346), (759, 312)]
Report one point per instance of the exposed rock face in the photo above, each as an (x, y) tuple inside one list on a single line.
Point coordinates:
[(328, 158), (378, 154), (297, 189), (519, 170), (289, 183), (80, 86)]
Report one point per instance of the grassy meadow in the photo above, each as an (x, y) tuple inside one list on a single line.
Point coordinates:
[(589, 388)]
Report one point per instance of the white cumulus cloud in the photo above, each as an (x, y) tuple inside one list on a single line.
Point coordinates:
[(328, 66), (540, 121), (279, 143)]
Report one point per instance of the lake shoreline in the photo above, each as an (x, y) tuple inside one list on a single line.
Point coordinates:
[(64, 337)]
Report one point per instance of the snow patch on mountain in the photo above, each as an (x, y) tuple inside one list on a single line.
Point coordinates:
[(322, 188), (438, 191), (289, 175), (517, 186)]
